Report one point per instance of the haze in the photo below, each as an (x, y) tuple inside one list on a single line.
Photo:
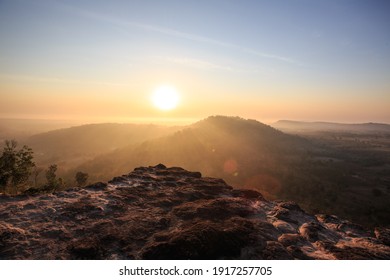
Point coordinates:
[(267, 60)]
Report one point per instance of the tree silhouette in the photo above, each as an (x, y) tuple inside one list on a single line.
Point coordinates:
[(15, 165), (81, 178), (36, 172), (51, 177)]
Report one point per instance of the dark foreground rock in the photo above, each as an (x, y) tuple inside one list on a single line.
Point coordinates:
[(170, 213)]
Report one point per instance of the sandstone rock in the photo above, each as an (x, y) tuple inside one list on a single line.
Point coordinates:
[(169, 213), (383, 235)]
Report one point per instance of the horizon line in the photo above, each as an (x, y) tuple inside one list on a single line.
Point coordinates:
[(175, 121)]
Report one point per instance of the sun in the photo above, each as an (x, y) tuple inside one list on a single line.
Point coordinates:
[(165, 98)]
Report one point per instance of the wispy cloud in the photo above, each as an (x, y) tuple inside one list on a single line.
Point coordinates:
[(201, 39), (271, 56), (178, 34), (48, 79), (196, 63), (183, 35)]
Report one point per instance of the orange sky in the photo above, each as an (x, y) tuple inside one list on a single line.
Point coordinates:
[(102, 62)]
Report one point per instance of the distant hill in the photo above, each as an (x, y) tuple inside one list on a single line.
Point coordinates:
[(22, 128), (243, 152), (77, 144), (298, 126)]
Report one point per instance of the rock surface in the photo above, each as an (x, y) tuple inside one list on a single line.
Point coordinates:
[(170, 213)]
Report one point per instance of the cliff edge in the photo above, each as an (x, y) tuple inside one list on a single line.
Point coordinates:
[(170, 213)]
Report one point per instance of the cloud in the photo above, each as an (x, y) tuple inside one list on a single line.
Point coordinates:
[(177, 34), (196, 63), (183, 35), (271, 56), (47, 79), (201, 39)]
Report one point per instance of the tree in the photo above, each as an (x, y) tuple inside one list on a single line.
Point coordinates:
[(36, 172), (51, 177), (81, 178), (15, 165)]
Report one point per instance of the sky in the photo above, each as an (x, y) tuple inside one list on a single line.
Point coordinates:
[(267, 60)]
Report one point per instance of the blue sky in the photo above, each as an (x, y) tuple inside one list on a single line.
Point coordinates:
[(299, 59)]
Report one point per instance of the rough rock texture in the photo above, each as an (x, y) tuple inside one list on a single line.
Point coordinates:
[(170, 213)]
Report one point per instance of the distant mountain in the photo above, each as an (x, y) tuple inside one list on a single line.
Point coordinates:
[(298, 126), (77, 144), (170, 213), (243, 152), (20, 129)]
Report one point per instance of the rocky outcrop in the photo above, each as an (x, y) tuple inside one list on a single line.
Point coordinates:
[(170, 213)]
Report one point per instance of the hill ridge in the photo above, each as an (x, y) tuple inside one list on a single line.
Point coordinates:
[(291, 125)]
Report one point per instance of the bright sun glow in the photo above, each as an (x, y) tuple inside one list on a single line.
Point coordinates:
[(165, 98)]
